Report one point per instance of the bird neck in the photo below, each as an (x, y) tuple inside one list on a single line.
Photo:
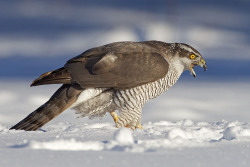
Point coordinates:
[(178, 66)]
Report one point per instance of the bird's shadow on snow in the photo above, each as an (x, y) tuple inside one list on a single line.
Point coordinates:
[(20, 146), (42, 130)]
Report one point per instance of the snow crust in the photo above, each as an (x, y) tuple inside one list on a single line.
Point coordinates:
[(154, 137), (71, 145), (234, 131)]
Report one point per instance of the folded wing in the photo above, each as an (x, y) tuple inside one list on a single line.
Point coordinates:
[(118, 65)]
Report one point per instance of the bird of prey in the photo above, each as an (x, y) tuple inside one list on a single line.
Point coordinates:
[(118, 76)]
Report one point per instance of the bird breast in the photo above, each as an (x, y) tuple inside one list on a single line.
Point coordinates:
[(138, 96)]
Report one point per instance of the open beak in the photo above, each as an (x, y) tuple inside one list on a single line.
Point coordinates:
[(193, 72), (201, 63)]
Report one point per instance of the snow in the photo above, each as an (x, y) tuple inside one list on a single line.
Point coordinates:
[(70, 145), (233, 131), (153, 138), (197, 143), (124, 136)]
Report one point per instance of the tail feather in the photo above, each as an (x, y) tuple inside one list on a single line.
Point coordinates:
[(63, 98), (59, 76)]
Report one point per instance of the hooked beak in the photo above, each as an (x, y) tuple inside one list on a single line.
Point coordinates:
[(201, 63)]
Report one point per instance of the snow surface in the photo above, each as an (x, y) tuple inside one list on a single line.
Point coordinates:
[(162, 143), (214, 133)]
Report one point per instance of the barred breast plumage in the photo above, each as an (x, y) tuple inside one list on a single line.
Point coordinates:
[(130, 101)]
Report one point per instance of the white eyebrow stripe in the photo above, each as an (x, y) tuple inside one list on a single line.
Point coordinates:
[(188, 49)]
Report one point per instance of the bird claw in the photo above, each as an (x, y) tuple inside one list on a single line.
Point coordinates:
[(139, 126), (115, 116), (134, 127)]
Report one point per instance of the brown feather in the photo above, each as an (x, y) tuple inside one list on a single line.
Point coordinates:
[(119, 65)]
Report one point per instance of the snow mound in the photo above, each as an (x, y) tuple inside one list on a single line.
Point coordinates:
[(100, 125), (177, 133), (234, 131), (2, 129), (69, 145), (124, 136)]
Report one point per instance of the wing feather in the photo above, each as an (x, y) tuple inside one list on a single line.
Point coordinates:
[(105, 64), (119, 65)]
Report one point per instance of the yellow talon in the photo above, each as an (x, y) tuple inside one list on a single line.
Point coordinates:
[(116, 119), (114, 115), (139, 126)]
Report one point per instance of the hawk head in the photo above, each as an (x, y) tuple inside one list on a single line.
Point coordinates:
[(188, 57)]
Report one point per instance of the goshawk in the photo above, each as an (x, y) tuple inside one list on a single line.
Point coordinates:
[(118, 76)]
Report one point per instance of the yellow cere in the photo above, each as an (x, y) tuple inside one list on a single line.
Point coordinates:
[(192, 56)]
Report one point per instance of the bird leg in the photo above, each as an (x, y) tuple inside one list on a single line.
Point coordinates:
[(114, 116)]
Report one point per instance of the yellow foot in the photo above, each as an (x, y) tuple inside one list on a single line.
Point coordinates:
[(139, 126), (114, 115)]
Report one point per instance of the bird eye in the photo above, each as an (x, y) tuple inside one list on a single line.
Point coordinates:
[(192, 56)]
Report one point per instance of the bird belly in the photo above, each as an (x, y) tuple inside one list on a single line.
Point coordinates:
[(87, 94), (94, 102)]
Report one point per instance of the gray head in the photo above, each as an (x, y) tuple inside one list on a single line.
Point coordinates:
[(188, 57)]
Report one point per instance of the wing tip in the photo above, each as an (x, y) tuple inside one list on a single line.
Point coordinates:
[(37, 82), (59, 76)]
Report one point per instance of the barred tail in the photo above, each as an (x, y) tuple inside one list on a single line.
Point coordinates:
[(63, 98)]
